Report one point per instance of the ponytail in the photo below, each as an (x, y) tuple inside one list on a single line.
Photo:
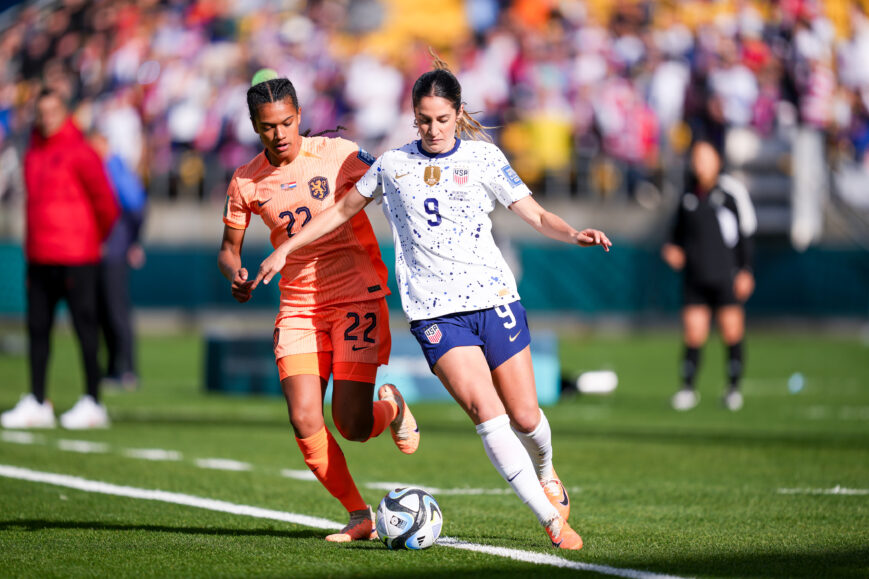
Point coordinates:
[(441, 82)]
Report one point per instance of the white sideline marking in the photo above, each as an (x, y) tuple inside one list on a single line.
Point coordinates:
[(91, 486), (298, 474), (388, 486), (19, 437), (82, 446), (553, 560), (152, 454), (222, 464), (836, 490)]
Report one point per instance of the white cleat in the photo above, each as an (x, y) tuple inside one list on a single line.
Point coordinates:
[(29, 413), (86, 413), (685, 399), (733, 400)]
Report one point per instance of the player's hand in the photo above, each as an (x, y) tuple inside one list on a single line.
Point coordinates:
[(241, 286), (591, 237), (743, 285), (270, 267), (674, 256)]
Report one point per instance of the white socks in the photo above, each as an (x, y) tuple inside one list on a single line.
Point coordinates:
[(538, 443), (513, 463)]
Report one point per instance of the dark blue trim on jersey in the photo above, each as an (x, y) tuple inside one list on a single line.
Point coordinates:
[(438, 155)]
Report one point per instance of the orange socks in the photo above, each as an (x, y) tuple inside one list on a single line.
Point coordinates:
[(325, 459), (385, 412)]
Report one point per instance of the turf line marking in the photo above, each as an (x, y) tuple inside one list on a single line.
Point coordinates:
[(836, 490), (18, 437), (91, 486), (223, 464), (299, 474), (82, 446), (152, 454), (552, 560)]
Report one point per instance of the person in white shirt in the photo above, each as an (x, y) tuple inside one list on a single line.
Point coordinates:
[(456, 289)]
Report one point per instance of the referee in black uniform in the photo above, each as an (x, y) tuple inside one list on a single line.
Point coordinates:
[(712, 242)]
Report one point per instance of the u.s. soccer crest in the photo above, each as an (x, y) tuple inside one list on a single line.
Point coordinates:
[(319, 187), (432, 175), (433, 334), (460, 175)]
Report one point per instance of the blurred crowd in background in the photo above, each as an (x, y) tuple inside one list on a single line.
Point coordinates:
[(590, 99)]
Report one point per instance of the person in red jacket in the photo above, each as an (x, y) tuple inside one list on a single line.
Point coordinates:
[(70, 211)]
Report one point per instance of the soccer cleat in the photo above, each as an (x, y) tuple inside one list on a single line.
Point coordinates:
[(733, 400), (557, 495), (29, 413), (685, 399), (87, 413), (360, 528), (405, 431), (562, 536)]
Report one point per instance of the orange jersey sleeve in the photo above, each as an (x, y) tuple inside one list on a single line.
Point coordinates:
[(341, 267)]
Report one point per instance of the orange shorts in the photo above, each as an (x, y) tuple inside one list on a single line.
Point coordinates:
[(343, 339)]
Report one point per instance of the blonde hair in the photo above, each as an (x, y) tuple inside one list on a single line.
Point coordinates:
[(441, 82)]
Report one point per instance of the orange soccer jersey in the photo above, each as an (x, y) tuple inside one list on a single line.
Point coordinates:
[(342, 267)]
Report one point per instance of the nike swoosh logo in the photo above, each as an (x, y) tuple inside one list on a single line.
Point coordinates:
[(514, 476), (564, 500), (357, 348), (513, 338), (261, 203), (402, 175)]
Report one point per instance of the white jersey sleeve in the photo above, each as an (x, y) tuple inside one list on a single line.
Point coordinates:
[(371, 183), (501, 181)]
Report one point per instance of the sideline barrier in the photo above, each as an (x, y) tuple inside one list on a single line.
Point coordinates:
[(245, 365)]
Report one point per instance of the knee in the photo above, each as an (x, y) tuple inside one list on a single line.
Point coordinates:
[(354, 428), (526, 419), (305, 423)]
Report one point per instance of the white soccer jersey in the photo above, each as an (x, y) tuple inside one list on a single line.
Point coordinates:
[(438, 205)]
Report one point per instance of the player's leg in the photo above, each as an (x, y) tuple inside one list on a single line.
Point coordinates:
[(33, 410), (466, 375), (82, 294), (514, 382), (362, 341), (731, 323), (304, 389), (695, 324), (506, 346)]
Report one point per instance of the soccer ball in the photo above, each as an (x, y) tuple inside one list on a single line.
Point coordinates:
[(409, 518)]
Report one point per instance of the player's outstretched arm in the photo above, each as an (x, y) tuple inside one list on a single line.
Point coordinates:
[(324, 223), (229, 262), (554, 227)]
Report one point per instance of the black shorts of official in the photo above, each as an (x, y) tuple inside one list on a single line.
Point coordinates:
[(714, 295)]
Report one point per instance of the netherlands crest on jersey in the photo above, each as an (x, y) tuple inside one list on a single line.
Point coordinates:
[(460, 175), (433, 334), (319, 187)]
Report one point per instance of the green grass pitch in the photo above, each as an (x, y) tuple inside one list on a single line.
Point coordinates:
[(690, 494)]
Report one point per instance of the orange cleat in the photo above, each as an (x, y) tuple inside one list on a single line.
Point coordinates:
[(562, 536), (405, 431), (557, 495), (360, 528)]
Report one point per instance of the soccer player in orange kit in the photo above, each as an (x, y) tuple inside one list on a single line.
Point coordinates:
[(333, 317)]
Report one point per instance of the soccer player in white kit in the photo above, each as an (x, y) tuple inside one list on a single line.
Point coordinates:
[(456, 289)]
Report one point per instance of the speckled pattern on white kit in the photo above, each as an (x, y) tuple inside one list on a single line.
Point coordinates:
[(446, 260)]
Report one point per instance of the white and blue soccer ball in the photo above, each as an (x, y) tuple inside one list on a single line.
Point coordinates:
[(409, 518)]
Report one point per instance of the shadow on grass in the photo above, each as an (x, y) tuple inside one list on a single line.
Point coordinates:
[(852, 562), (42, 524)]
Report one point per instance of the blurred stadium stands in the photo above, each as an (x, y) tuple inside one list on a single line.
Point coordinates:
[(595, 103)]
